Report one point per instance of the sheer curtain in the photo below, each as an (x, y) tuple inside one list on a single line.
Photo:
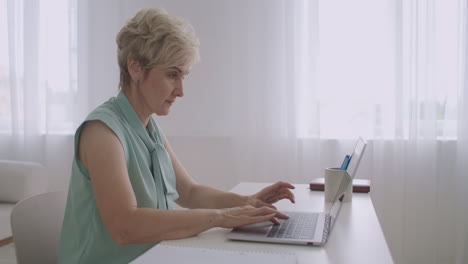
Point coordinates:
[(418, 175), (39, 98), (462, 148), (461, 253), (274, 90)]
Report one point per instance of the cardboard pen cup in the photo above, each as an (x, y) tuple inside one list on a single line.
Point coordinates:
[(333, 181)]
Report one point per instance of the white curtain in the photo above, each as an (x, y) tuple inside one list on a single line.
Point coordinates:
[(461, 179), (269, 81), (20, 76), (40, 102), (461, 213), (419, 178)]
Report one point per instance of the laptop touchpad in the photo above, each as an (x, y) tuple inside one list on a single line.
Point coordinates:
[(258, 228)]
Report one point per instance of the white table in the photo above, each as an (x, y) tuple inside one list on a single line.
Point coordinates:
[(355, 238)]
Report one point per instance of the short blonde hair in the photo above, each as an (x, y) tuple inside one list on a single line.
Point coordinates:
[(155, 38)]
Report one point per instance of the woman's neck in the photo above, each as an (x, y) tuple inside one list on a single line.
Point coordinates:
[(138, 105)]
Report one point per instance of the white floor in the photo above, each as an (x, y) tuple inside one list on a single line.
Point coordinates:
[(7, 254)]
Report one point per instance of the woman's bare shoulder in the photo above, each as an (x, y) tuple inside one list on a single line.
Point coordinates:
[(96, 139)]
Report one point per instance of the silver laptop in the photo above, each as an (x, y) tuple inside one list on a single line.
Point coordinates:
[(306, 228)]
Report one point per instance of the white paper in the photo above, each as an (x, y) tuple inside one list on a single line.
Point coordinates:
[(182, 254)]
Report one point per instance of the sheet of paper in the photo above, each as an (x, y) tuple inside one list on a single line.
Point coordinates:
[(162, 253)]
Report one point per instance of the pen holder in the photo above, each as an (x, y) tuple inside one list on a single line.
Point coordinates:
[(334, 178)]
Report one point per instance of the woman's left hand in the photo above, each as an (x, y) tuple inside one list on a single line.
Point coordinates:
[(271, 194)]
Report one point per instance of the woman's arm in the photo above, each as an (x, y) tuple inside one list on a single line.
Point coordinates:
[(193, 195), (102, 155)]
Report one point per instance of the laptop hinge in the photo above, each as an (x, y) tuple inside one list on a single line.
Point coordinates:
[(326, 229)]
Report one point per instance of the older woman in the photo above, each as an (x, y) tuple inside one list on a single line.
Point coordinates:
[(125, 175)]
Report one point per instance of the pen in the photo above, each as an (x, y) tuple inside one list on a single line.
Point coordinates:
[(345, 163)]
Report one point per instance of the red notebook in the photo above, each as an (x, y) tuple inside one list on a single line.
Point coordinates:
[(359, 185)]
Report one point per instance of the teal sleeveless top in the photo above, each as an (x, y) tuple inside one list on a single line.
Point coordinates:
[(84, 238)]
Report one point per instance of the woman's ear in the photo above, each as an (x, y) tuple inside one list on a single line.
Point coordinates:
[(134, 69)]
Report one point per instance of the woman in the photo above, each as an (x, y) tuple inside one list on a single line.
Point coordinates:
[(125, 175)]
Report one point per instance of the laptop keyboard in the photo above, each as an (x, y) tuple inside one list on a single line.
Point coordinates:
[(298, 226)]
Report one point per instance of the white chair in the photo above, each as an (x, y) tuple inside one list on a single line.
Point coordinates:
[(36, 223)]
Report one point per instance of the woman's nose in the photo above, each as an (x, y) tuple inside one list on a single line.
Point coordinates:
[(179, 91)]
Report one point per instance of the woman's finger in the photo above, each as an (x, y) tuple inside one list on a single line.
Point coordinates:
[(281, 215), (247, 220), (267, 205), (264, 211), (258, 215), (258, 219), (282, 184), (278, 214), (275, 221), (278, 187), (288, 195)]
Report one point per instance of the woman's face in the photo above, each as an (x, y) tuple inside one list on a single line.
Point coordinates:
[(160, 89)]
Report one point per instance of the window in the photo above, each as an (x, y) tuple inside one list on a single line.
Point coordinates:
[(38, 66), (387, 68)]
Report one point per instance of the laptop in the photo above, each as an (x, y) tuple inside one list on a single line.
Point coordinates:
[(303, 228)]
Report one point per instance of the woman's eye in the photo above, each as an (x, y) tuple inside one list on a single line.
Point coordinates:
[(174, 75)]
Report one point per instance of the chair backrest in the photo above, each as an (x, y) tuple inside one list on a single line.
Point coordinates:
[(36, 223)]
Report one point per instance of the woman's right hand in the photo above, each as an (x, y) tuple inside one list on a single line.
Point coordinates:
[(246, 215)]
